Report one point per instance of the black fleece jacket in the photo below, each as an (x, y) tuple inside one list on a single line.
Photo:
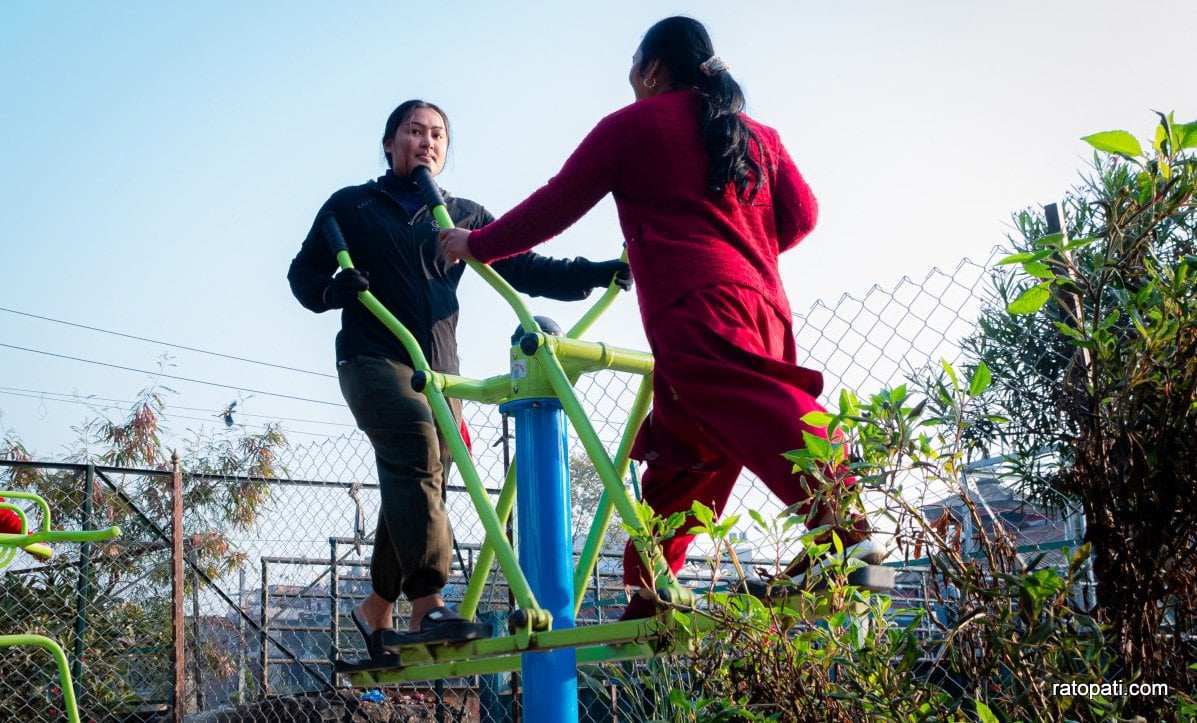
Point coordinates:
[(409, 276)]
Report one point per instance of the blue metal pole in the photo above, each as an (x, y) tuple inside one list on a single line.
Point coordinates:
[(546, 552)]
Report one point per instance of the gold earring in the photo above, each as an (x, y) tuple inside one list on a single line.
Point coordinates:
[(649, 85)]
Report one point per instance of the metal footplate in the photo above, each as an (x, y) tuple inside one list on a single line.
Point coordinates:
[(628, 640), (632, 639)]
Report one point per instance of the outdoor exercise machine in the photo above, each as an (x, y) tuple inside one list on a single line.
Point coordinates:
[(538, 393), (37, 543)]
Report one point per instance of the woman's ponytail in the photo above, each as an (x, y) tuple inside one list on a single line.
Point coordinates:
[(683, 46)]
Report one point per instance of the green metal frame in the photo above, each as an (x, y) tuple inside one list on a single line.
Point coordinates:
[(39, 541), (8, 552), (550, 370), (64, 670), (36, 543)]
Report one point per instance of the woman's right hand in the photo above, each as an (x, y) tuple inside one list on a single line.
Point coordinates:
[(455, 244)]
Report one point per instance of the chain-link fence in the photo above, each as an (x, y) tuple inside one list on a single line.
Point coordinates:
[(264, 610), (103, 601)]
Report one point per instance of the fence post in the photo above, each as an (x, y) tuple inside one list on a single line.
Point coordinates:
[(517, 710), (197, 650), (334, 594), (264, 681), (178, 678), (89, 482), (242, 663)]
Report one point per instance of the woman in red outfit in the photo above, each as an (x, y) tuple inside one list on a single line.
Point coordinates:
[(707, 199)]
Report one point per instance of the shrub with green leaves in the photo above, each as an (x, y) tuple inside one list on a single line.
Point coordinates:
[(1092, 339), (843, 653), (1085, 379)]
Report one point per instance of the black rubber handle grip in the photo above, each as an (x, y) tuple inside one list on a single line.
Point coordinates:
[(529, 343), (332, 233), (428, 189)]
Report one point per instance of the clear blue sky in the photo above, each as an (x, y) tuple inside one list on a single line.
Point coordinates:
[(162, 161)]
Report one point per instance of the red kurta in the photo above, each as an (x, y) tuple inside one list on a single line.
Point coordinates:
[(680, 237), (728, 393)]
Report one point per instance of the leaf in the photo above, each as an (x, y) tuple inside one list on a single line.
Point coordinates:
[(1077, 559), (1035, 255), (1038, 269), (1163, 134), (981, 379), (1017, 258), (984, 714), (1186, 135), (1145, 185), (1118, 142), (916, 410), (818, 447), (1050, 241), (1077, 243), (1137, 321), (756, 517), (1111, 319), (1031, 300), (950, 372), (848, 405), (818, 420)]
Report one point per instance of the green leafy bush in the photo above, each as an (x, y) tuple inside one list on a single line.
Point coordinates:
[(1084, 376)]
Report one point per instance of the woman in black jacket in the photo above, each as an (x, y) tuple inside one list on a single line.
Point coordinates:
[(392, 239)]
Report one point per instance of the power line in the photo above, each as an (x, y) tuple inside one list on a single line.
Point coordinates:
[(172, 376), (171, 416), (86, 400), (166, 343)]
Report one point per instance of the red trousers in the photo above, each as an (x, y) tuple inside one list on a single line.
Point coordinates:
[(727, 395)]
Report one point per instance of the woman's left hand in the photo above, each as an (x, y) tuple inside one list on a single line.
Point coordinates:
[(455, 244)]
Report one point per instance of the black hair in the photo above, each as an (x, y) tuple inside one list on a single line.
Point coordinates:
[(682, 44), (401, 114)]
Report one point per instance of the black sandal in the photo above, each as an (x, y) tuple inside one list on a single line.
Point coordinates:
[(440, 625), (377, 641), (384, 643), (359, 622)]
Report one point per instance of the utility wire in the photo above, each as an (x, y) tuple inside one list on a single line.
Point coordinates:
[(88, 399), (170, 416), (172, 376), (166, 343)]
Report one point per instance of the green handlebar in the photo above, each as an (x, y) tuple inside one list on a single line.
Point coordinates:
[(36, 499), (36, 542), (19, 540), (418, 360), (435, 201), (599, 307)]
